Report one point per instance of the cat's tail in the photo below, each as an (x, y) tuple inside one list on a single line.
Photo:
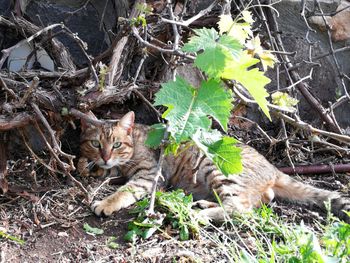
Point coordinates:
[(291, 189)]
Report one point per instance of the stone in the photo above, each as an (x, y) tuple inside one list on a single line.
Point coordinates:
[(340, 23), (93, 23), (5, 7), (328, 6), (325, 83)]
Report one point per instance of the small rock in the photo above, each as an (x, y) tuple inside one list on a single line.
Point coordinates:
[(62, 234)]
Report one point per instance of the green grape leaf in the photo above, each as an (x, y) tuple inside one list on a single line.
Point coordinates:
[(283, 100), (204, 38), (225, 23), (253, 80), (213, 61), (238, 30), (155, 135), (247, 16), (221, 150), (231, 44), (188, 107), (266, 57), (216, 51)]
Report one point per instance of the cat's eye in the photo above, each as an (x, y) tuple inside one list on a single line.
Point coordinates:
[(117, 145), (95, 143)]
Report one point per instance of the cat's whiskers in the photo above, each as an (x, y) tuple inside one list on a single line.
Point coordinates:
[(90, 165)]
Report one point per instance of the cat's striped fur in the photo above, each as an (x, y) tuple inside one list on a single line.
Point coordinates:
[(122, 146)]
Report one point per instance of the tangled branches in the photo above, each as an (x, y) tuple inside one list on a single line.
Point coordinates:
[(43, 98)]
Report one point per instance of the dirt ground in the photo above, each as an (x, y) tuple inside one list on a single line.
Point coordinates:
[(50, 219), (48, 213)]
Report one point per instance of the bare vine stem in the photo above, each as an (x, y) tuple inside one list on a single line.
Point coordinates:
[(272, 26), (297, 123), (189, 21), (307, 127), (163, 50), (150, 210)]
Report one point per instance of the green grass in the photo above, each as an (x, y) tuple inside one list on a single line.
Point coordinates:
[(12, 238), (264, 237), (261, 236)]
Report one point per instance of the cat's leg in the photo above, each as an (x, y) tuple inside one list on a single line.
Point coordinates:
[(138, 187), (232, 195), (204, 204), (235, 197), (229, 206), (268, 196)]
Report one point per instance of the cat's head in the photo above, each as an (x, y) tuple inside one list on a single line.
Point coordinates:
[(109, 145)]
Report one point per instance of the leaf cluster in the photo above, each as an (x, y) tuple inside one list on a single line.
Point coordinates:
[(174, 211), (222, 56), (92, 230)]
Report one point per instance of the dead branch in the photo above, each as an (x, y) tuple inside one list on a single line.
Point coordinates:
[(65, 167), (36, 157), (32, 87), (3, 164), (307, 127), (64, 75), (116, 65), (238, 90), (83, 48), (158, 175), (265, 135), (316, 169), (9, 91), (16, 121), (109, 94), (80, 115), (57, 148)]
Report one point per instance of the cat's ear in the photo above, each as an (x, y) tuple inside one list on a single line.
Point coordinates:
[(127, 122), (84, 123)]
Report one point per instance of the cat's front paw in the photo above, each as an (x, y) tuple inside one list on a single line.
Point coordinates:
[(112, 203), (102, 208), (204, 204)]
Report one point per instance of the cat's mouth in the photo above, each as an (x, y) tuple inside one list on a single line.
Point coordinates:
[(109, 164), (106, 166)]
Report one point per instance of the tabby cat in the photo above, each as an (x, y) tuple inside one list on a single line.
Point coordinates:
[(120, 146)]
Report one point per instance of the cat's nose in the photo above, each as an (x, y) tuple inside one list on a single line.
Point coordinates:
[(105, 159), (105, 156)]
